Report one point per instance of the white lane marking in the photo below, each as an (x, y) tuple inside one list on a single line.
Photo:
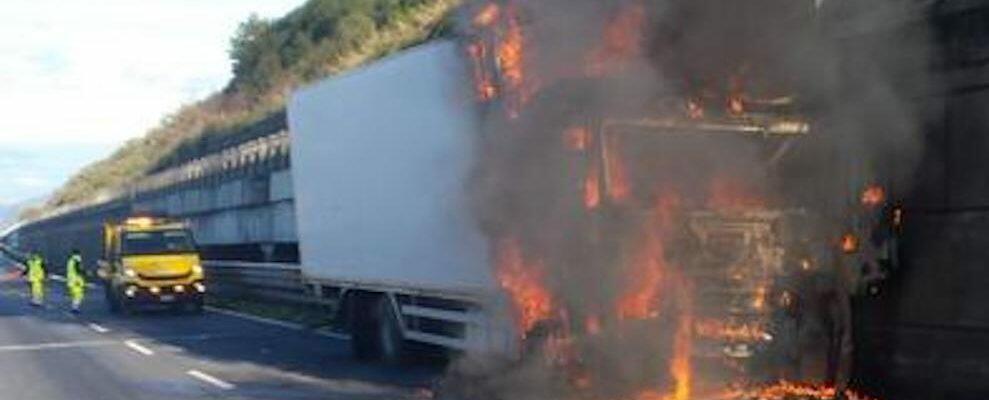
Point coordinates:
[(138, 348), (60, 345), (255, 318), (96, 327), (210, 379), (275, 322), (332, 335)]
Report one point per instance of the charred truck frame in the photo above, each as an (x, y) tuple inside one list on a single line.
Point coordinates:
[(766, 263)]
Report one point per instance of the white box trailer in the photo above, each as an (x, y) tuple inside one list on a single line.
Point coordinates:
[(380, 162)]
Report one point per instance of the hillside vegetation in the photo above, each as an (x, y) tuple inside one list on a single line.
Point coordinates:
[(269, 58)]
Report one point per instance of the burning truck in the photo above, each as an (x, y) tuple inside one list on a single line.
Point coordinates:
[(636, 199), (681, 200)]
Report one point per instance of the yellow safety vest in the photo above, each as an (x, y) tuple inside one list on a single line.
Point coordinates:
[(35, 269), (73, 272)]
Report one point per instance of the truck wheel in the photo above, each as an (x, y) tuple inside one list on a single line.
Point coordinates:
[(124, 305), (363, 328), (391, 344), (195, 307)]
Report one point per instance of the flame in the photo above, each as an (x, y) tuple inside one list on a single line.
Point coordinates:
[(511, 57), (483, 83), (524, 283), (712, 328), (617, 184), (873, 196), (728, 194), (592, 325), (640, 298), (577, 138), (789, 390), (736, 106), (622, 40), (592, 185), (849, 243), (487, 16), (639, 301), (650, 395), (694, 109), (759, 302), (682, 345)]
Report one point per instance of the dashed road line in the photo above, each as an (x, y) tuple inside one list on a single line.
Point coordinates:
[(210, 379), (255, 318), (275, 322), (98, 328), (134, 345), (332, 335), (56, 345)]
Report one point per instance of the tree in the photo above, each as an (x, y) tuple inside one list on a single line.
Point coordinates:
[(254, 50)]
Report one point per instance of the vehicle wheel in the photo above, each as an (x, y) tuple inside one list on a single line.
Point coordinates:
[(124, 306), (195, 307), (363, 328), (112, 300), (391, 344)]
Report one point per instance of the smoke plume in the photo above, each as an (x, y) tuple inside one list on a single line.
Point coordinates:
[(619, 134)]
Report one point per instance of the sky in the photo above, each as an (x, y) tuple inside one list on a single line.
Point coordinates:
[(78, 78)]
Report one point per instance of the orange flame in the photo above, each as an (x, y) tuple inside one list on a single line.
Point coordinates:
[(736, 106), (592, 185), (849, 243), (734, 332), (483, 83), (789, 390), (487, 16), (617, 185), (639, 301), (577, 138), (622, 40), (510, 56), (727, 194), (694, 109), (592, 325), (680, 366), (524, 283), (873, 196), (650, 395), (759, 302)]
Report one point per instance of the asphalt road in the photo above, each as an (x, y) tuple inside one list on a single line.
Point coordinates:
[(49, 354)]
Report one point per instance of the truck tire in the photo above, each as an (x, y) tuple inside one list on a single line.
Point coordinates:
[(376, 333), (363, 327), (391, 344), (195, 307)]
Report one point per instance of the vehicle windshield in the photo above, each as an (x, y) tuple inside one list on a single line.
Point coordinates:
[(157, 242), (645, 166)]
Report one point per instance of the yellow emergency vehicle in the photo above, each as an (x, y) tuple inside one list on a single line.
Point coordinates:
[(151, 261)]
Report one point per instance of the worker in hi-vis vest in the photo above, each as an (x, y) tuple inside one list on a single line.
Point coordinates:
[(75, 279), (36, 277)]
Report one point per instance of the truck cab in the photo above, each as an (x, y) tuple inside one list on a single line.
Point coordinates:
[(151, 261)]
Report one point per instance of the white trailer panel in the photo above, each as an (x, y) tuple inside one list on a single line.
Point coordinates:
[(380, 163)]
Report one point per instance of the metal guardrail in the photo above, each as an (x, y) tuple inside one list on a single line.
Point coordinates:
[(263, 281)]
